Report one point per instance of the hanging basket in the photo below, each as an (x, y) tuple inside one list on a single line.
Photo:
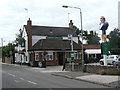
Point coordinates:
[(24, 50), (15, 52)]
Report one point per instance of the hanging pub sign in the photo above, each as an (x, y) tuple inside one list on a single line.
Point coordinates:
[(21, 43), (72, 56), (49, 37)]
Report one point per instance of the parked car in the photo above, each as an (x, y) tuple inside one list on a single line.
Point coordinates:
[(117, 61), (110, 59)]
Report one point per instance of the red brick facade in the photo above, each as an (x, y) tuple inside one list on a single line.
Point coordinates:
[(29, 30)]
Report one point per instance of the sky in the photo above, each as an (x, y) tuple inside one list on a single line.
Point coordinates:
[(51, 13)]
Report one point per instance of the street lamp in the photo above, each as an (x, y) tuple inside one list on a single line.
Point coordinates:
[(2, 47), (64, 6), (27, 12)]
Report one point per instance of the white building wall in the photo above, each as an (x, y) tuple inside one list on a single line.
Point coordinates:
[(37, 38)]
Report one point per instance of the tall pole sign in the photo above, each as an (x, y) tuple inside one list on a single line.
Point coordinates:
[(103, 26)]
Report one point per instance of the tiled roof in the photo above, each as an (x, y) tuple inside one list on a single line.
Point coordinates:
[(51, 31), (86, 46), (54, 44)]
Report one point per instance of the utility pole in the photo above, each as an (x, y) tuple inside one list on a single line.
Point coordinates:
[(64, 6), (2, 47)]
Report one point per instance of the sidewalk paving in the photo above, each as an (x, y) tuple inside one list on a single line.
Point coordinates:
[(107, 80)]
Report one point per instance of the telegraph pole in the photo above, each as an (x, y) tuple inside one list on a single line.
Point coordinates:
[(2, 47)]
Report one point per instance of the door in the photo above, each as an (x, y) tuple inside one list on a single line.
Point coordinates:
[(110, 59), (60, 58)]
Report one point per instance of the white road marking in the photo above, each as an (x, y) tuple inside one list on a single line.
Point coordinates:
[(17, 81), (11, 74), (22, 79), (31, 82), (28, 81)]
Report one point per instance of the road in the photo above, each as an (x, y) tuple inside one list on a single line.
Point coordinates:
[(26, 77)]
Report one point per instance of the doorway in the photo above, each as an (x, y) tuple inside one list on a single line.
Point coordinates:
[(60, 58)]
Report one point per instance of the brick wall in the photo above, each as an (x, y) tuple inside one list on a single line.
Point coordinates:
[(51, 63), (9, 60), (96, 69)]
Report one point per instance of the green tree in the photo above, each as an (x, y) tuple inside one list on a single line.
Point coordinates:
[(114, 41), (91, 38), (7, 49), (19, 37), (114, 38)]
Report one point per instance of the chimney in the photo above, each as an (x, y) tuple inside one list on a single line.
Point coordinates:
[(29, 30), (71, 24)]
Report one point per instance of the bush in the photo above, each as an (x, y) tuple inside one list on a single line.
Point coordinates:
[(115, 51), (114, 73), (103, 72)]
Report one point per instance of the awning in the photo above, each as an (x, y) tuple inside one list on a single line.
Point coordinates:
[(93, 51)]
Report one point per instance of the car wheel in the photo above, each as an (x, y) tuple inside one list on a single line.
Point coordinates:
[(101, 63), (31, 64), (40, 64)]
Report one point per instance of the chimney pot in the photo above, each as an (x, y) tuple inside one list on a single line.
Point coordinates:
[(71, 24)]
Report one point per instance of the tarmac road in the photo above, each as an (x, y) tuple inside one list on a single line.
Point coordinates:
[(24, 77)]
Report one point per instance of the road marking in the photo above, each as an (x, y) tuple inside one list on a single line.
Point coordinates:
[(22, 79), (17, 81), (11, 74), (28, 81), (31, 82)]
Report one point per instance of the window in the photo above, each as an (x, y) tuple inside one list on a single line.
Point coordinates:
[(36, 56), (49, 56), (55, 56), (66, 54), (77, 56)]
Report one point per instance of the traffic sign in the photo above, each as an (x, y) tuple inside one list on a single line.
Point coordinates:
[(72, 56)]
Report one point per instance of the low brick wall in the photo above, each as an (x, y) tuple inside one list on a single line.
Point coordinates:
[(96, 69), (9, 60)]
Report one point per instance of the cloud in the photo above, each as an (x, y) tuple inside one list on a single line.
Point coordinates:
[(51, 13)]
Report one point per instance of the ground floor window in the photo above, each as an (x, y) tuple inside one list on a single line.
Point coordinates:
[(66, 54), (49, 56), (56, 56), (36, 56), (77, 56)]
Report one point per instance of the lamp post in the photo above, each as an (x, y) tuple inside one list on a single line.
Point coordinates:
[(64, 6), (2, 47), (27, 12)]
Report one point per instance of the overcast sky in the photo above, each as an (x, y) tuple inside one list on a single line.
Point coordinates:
[(50, 13)]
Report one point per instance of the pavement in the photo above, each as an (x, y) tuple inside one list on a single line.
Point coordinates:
[(106, 80)]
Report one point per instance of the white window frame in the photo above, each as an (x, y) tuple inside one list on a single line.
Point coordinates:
[(77, 58), (36, 56), (67, 55), (50, 54)]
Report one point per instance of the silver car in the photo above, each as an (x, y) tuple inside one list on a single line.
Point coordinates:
[(110, 59), (117, 61)]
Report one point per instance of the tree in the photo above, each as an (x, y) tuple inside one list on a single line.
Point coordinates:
[(114, 41), (91, 38), (19, 37), (7, 49), (114, 38)]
